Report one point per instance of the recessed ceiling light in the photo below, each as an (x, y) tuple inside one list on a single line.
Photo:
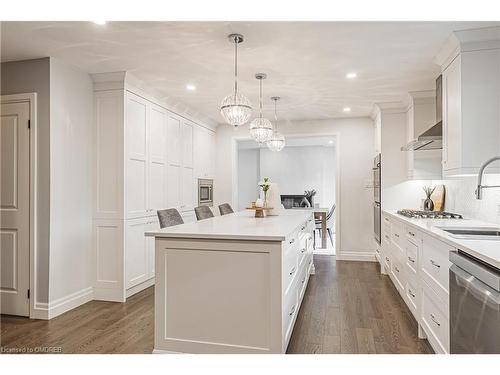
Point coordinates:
[(351, 75), (347, 109), (330, 142), (99, 22), (190, 87)]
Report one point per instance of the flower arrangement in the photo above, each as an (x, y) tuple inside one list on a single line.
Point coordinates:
[(429, 190), (264, 185)]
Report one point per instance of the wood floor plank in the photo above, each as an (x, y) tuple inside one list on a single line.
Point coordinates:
[(348, 307)]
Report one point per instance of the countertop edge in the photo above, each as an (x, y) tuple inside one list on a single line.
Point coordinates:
[(214, 237)]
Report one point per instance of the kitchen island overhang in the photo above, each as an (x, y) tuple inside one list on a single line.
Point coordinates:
[(232, 283)]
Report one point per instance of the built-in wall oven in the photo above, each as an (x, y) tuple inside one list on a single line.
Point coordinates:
[(377, 215), (205, 192)]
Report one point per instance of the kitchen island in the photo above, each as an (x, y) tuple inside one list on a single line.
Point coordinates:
[(232, 283)]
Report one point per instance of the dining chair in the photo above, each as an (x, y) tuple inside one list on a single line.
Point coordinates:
[(329, 223), (225, 209), (169, 217), (203, 212)]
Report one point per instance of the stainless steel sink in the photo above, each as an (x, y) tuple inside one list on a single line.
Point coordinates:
[(473, 233)]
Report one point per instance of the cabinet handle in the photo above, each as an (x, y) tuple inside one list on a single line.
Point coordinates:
[(411, 259), (304, 227), (435, 264), (411, 234), (386, 219), (303, 280), (396, 235), (292, 311), (292, 271), (396, 268), (310, 220), (386, 237), (411, 293), (303, 250), (433, 318), (387, 259), (292, 241)]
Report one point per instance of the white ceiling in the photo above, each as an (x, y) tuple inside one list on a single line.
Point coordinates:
[(306, 62)]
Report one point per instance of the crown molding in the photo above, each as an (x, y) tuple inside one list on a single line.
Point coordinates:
[(467, 41), (392, 107), (421, 97)]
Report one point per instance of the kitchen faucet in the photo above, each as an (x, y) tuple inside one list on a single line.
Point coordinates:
[(480, 187)]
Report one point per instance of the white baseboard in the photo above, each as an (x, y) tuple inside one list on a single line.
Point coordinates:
[(69, 302), (107, 294), (139, 287), (356, 256), (40, 311)]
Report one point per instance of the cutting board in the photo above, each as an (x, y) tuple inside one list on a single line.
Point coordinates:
[(438, 197)]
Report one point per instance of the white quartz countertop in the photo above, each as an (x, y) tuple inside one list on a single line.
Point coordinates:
[(486, 250), (241, 225)]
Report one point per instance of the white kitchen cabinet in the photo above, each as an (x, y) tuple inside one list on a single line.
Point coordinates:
[(204, 152), (471, 111), (143, 162), (418, 266)]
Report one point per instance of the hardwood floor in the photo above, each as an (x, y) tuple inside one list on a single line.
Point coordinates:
[(348, 308)]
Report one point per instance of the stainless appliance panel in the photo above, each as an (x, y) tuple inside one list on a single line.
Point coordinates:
[(377, 218), (474, 306)]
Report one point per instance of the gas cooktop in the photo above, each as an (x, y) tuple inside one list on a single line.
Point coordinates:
[(429, 214)]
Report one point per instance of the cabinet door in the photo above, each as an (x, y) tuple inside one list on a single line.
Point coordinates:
[(187, 144), (136, 252), (173, 186), (187, 189), (452, 116), (157, 158), (173, 139), (150, 248), (199, 155), (136, 140)]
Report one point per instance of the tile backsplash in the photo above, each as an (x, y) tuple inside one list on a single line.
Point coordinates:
[(460, 198)]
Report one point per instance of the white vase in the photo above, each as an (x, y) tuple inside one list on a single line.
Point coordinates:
[(274, 200)]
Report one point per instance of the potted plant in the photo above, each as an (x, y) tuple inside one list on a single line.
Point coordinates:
[(428, 203)]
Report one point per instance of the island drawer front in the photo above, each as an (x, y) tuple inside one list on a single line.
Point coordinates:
[(412, 295), (435, 266), (290, 268), (290, 309)]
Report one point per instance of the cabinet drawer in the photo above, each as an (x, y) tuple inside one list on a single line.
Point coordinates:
[(412, 296), (435, 322), (411, 257), (386, 261), (398, 277), (435, 266), (290, 268), (397, 238), (290, 310)]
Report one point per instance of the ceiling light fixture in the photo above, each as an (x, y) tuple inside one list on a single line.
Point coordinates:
[(190, 87), (261, 128), (351, 75), (277, 140), (347, 109), (330, 142), (235, 108), (99, 22)]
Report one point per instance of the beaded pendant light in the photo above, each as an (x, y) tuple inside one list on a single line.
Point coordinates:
[(277, 140), (261, 128)]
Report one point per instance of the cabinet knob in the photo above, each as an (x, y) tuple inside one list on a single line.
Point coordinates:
[(292, 311), (292, 271)]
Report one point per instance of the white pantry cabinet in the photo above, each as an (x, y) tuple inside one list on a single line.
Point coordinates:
[(471, 110), (144, 161)]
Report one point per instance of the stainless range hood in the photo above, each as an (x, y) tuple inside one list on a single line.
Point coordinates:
[(432, 138)]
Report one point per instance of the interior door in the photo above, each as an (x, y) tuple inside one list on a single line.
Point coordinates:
[(14, 208)]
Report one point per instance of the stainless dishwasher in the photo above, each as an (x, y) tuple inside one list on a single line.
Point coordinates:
[(474, 305)]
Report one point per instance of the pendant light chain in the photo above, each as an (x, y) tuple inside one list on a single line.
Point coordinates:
[(260, 105), (276, 115), (235, 65)]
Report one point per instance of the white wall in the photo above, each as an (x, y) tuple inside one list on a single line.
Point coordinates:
[(248, 177), (355, 142), (19, 77), (71, 119)]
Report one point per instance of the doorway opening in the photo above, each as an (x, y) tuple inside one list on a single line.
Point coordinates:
[(307, 174)]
